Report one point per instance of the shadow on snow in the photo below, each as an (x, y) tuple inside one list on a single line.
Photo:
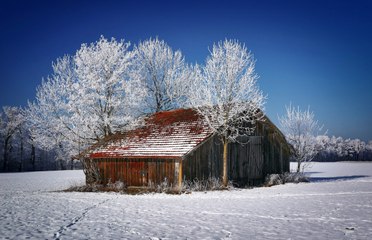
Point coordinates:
[(309, 173), (340, 178)]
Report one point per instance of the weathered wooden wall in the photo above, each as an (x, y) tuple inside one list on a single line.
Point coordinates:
[(138, 172), (276, 152), (246, 161), (205, 161), (265, 153)]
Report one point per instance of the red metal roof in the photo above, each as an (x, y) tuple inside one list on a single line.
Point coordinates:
[(170, 134)]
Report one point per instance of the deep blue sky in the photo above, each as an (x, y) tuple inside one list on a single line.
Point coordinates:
[(316, 53)]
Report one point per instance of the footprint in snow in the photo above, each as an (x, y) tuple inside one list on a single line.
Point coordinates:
[(349, 230), (227, 234)]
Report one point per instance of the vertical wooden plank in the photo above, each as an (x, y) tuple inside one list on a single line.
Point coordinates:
[(144, 173), (136, 179), (174, 177), (166, 170), (139, 172), (129, 172), (185, 167), (161, 171), (113, 170), (154, 174), (105, 171), (117, 168), (120, 170), (125, 174), (169, 171), (179, 165), (150, 172), (158, 174), (133, 172)]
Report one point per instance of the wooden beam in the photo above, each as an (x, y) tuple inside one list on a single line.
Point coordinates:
[(180, 175)]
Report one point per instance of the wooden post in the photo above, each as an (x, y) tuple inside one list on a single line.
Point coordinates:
[(224, 171), (180, 175)]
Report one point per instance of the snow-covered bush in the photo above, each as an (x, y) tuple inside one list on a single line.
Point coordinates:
[(188, 186), (273, 179), (294, 177), (117, 186), (85, 188), (209, 184), (278, 179), (164, 187)]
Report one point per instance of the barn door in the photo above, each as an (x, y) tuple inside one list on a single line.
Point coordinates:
[(255, 158), (138, 173)]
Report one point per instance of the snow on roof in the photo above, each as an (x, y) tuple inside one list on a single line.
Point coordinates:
[(169, 134)]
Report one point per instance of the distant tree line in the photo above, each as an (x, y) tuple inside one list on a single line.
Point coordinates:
[(19, 151), (332, 149), (308, 143)]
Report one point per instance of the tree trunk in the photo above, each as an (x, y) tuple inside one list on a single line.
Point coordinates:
[(5, 164), (224, 169), (21, 153), (4, 156), (298, 166), (33, 157), (62, 166)]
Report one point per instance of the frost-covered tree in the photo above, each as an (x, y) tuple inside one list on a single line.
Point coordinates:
[(354, 147), (87, 97), (226, 94), (322, 142), (162, 72), (105, 96), (50, 119), (337, 149), (10, 124), (29, 129), (369, 146), (300, 129), (336, 145)]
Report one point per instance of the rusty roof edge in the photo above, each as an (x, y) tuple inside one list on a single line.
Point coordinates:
[(139, 157)]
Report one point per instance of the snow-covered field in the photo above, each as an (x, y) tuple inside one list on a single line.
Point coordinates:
[(337, 204)]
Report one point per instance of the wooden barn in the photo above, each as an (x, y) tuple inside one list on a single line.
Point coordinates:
[(178, 144)]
